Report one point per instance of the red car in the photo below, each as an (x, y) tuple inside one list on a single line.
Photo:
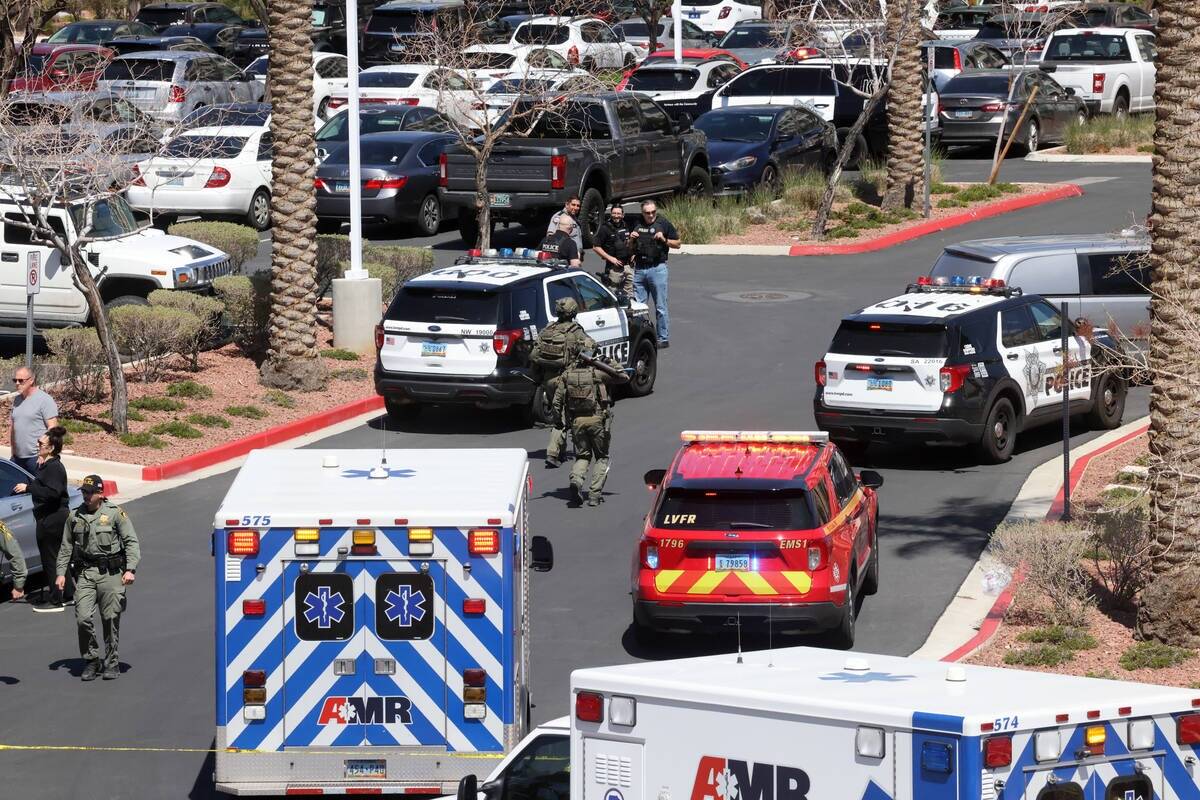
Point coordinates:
[(757, 528), (62, 67), (697, 54)]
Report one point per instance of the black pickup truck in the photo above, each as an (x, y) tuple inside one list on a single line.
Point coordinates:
[(605, 147)]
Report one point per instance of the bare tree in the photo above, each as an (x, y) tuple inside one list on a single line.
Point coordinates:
[(651, 12), (20, 21)]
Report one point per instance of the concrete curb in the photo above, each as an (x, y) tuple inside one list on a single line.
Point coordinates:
[(1059, 155), (972, 613), (925, 228)]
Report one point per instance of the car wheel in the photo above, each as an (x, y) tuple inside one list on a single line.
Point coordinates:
[(999, 433), (592, 208), (429, 217), (1032, 139), (258, 216), (126, 300), (771, 180), (1121, 106), (843, 634), (871, 579), (398, 411), (328, 225), (163, 221), (539, 407), (645, 369), (1108, 406), (699, 183)]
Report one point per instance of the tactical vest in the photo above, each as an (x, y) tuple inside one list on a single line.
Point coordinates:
[(554, 345), (582, 400)]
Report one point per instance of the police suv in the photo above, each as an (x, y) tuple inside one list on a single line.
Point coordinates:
[(463, 334), (965, 360)]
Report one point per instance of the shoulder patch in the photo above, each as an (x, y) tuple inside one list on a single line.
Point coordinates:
[(6, 531)]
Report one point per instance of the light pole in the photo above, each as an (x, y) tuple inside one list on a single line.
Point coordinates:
[(677, 24), (356, 270)]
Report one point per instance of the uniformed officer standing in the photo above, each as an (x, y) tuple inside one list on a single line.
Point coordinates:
[(101, 548), (583, 392), (611, 243), (10, 547), (557, 346), (560, 244)]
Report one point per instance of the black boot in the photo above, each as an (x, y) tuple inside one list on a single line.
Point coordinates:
[(91, 671)]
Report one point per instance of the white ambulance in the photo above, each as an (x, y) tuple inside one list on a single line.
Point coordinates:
[(811, 724)]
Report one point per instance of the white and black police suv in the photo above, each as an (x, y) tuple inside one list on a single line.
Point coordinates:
[(463, 334), (965, 360)]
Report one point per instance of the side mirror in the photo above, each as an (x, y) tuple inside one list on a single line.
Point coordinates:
[(541, 558), (870, 479), (468, 786), (1070, 92), (653, 478), (59, 74)]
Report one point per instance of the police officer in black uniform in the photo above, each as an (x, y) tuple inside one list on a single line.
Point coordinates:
[(560, 244), (611, 243)]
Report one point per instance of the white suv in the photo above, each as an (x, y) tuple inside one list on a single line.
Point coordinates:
[(719, 16), (586, 41)]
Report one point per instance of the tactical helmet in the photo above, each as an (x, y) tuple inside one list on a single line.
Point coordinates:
[(566, 308)]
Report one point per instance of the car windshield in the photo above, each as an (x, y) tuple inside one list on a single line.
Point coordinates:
[(1008, 29), (34, 64), (520, 86), (1088, 47), (736, 127), (337, 129), (542, 34), (950, 264), (396, 22), (427, 304), (707, 510), (216, 116), (386, 80), (162, 17), (663, 80), (204, 147), (258, 67), (140, 69), (373, 153), (988, 85), (961, 20), (752, 36), (488, 60), (111, 216), (701, 3), (859, 338), (574, 121), (84, 34), (639, 29)]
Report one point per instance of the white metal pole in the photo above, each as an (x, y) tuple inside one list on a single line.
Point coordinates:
[(677, 22), (356, 269)]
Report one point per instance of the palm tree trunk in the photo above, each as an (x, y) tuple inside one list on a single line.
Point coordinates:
[(1167, 610), (293, 361), (905, 111)]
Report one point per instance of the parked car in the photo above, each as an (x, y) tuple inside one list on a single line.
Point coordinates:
[(160, 16), (696, 55), (1019, 36), (606, 147), (412, 85), (148, 44), (328, 33), (972, 108), (330, 74), (1112, 15), (217, 172), (637, 33), (951, 58), (243, 115), (58, 67), (586, 42), (681, 88), (758, 40), (18, 517), (488, 62), (1112, 71), (394, 28), (962, 22), (170, 85), (76, 108), (504, 92), (752, 146), (379, 119), (400, 181), (98, 31), (217, 36), (719, 16)]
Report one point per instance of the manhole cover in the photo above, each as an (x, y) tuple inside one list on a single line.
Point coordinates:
[(762, 297)]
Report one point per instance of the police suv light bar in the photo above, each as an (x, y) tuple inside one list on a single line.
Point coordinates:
[(537, 258), (968, 284), (774, 437)]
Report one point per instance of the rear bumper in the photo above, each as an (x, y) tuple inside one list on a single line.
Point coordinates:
[(860, 426), (811, 617), (502, 387), (374, 209), (195, 201), (522, 203), (970, 132)]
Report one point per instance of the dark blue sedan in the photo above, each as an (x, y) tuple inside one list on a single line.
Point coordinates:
[(753, 146)]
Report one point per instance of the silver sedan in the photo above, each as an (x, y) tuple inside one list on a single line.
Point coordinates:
[(17, 512)]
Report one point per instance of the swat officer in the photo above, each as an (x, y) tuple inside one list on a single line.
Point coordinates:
[(556, 348), (583, 393), (10, 547), (560, 244), (611, 243), (101, 549)]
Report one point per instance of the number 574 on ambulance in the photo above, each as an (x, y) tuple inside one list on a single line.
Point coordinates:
[(372, 619)]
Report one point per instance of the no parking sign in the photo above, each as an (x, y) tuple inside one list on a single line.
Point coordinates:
[(33, 275)]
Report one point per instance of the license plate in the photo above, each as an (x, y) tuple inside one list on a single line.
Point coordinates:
[(433, 349), (503, 200), (695, 14), (174, 182), (963, 114), (341, 186), (396, 47), (366, 768), (739, 563), (879, 384)]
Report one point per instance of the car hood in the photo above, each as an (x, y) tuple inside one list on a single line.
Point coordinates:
[(154, 249), (721, 151)]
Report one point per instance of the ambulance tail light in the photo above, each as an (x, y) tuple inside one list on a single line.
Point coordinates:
[(589, 707), (870, 742), (819, 374), (1187, 729), (952, 378), (622, 711), (483, 542), (649, 554), (254, 608), (420, 541), (474, 693), (997, 751), (308, 541), (242, 543), (474, 606), (254, 694), (1141, 734), (254, 678), (362, 542)]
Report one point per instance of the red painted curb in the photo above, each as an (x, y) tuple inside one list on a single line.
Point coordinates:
[(241, 447), (934, 225), (991, 623)]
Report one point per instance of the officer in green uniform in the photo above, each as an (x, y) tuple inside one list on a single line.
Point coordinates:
[(583, 392), (10, 547), (101, 549), (557, 345)]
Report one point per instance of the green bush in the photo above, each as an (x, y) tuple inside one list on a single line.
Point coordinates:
[(247, 304), (249, 412), (951, 202), (278, 397), (190, 389), (1040, 655), (131, 414), (142, 439), (340, 354), (842, 232), (1061, 635), (1154, 655), (180, 430), (942, 188), (802, 190), (980, 191), (207, 309), (349, 374), (156, 404), (240, 242), (1103, 133), (701, 220), (79, 352), (1120, 496), (148, 333), (208, 420), (79, 425), (333, 251)]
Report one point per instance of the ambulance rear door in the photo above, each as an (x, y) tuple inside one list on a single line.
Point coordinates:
[(612, 769)]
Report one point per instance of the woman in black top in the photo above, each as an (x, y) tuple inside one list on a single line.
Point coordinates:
[(49, 491)]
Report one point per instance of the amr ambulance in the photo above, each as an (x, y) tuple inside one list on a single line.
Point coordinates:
[(810, 724), (372, 628)]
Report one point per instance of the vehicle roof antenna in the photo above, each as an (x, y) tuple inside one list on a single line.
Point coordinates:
[(739, 637), (381, 471)]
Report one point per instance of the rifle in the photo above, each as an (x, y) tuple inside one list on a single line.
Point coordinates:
[(619, 376)]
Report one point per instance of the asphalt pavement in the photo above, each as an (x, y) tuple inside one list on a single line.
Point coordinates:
[(742, 363)]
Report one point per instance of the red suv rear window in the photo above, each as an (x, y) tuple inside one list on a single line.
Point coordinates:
[(697, 509)]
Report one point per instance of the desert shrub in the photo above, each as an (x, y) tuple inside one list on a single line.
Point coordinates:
[(340, 354), (872, 179), (1121, 541), (1040, 655), (150, 332), (348, 374), (249, 412), (942, 188), (980, 191), (333, 251), (247, 309), (79, 425), (1051, 555), (1062, 636), (802, 190), (1105, 132), (278, 397), (207, 309), (1154, 655), (180, 430), (208, 420), (701, 220), (156, 404), (142, 439), (85, 366), (240, 242), (191, 389)]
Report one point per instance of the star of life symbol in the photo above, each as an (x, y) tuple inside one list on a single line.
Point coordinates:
[(727, 785), (366, 473), (324, 607), (865, 677), (405, 606)]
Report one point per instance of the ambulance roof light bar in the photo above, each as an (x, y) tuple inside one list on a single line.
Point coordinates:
[(760, 437)]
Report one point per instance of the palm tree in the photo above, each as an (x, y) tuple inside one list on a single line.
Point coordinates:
[(1167, 608), (293, 361), (905, 111)]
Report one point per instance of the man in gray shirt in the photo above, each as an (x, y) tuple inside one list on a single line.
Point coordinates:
[(571, 212), (33, 413)]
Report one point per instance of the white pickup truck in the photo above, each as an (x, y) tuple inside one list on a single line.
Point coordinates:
[(1110, 69)]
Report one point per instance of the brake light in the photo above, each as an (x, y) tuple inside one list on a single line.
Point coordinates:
[(254, 608), (375, 184), (503, 342), (649, 554), (406, 101), (951, 378), (242, 543), (573, 55), (558, 172), (941, 107), (318, 183), (1097, 82), (473, 606), (997, 751), (957, 59), (138, 178), (379, 336), (589, 707), (992, 107), (815, 554), (483, 542), (819, 373), (337, 102), (1187, 729), (176, 94), (443, 171), (219, 177), (724, 12), (254, 677)]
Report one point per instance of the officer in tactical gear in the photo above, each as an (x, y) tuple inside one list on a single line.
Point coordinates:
[(10, 547), (583, 393), (556, 348), (101, 550)]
